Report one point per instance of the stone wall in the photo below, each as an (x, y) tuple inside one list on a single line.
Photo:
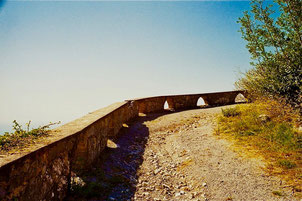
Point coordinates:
[(43, 171)]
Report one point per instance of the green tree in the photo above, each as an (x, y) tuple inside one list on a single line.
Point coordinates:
[(273, 32)]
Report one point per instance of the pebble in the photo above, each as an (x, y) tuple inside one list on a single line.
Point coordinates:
[(179, 193), (157, 171)]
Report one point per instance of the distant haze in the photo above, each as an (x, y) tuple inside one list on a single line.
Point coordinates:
[(61, 60)]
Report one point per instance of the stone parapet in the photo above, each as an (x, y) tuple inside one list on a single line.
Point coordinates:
[(43, 171)]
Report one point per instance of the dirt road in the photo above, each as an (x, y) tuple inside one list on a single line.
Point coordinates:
[(176, 156)]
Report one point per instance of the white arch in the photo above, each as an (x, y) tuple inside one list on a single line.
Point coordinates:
[(166, 105), (240, 98), (201, 102)]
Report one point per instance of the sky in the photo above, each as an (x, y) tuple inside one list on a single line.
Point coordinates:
[(60, 60)]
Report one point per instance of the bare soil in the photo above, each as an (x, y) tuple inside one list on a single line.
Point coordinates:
[(177, 156)]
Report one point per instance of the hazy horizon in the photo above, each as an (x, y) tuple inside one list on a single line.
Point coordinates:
[(61, 60)]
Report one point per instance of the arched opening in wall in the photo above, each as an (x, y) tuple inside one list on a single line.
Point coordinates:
[(240, 98), (166, 106), (201, 102), (111, 144)]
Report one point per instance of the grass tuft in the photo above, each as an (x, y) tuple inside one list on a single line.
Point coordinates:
[(230, 112), (278, 193), (287, 164), (95, 185)]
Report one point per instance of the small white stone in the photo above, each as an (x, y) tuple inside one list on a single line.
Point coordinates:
[(157, 171)]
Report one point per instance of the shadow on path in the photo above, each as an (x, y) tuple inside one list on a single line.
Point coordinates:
[(114, 175)]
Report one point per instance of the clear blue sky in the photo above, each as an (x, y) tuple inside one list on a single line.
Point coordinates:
[(61, 60)]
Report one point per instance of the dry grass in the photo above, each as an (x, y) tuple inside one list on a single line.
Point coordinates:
[(269, 129), (21, 138), (185, 164)]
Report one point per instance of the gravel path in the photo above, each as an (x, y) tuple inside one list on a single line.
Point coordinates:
[(176, 156)]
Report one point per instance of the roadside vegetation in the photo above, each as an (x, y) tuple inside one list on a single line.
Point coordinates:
[(94, 184), (273, 32), (20, 137), (270, 129), (270, 125)]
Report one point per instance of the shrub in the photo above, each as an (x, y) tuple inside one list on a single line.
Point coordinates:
[(230, 112), (272, 31), (286, 164), (284, 134), (20, 137)]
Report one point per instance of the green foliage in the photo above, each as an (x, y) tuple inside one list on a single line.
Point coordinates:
[(91, 189), (20, 137), (95, 184), (275, 45), (275, 135), (278, 193), (230, 112), (287, 164), (284, 135)]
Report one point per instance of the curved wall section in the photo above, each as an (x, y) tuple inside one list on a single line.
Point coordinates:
[(43, 172)]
